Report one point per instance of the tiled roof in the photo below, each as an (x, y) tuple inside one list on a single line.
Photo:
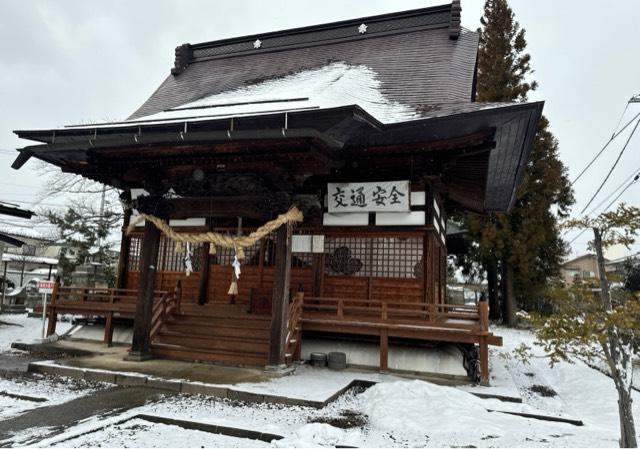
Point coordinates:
[(411, 55)]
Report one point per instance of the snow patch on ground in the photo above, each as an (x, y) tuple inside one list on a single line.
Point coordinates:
[(141, 433), (23, 329), (394, 412), (324, 382)]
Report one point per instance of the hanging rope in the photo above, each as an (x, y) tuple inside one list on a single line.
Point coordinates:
[(293, 215)]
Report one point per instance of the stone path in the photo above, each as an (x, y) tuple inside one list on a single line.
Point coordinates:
[(55, 419)]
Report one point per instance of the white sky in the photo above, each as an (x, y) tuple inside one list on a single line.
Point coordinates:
[(74, 61)]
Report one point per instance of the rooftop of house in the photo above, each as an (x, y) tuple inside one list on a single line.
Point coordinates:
[(567, 264)]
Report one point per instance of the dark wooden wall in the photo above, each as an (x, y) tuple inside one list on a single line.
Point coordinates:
[(426, 286)]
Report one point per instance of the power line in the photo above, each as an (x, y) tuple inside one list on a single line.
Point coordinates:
[(635, 179), (612, 167), (615, 134), (634, 174)]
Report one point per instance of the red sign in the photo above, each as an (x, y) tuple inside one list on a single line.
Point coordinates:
[(45, 286)]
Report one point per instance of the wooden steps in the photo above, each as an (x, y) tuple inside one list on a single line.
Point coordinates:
[(220, 333)]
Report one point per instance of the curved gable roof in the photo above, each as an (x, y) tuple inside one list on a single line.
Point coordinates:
[(419, 57)]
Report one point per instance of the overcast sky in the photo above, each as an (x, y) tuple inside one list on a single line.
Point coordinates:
[(73, 61)]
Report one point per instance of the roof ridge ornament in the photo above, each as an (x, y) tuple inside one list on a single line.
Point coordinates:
[(454, 20), (257, 44), (362, 29), (184, 54)]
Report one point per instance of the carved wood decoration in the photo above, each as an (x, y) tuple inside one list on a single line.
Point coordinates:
[(341, 262)]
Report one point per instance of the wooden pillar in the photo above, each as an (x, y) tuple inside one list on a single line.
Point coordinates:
[(205, 260), (280, 299), (108, 325), (144, 305), (4, 285), (317, 271), (384, 350), (24, 264), (51, 311), (204, 274), (483, 345), (125, 246)]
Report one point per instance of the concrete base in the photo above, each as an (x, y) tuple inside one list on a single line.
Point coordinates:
[(445, 360), (138, 357), (279, 370), (92, 355)]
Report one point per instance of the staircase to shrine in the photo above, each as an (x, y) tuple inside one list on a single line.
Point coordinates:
[(222, 333)]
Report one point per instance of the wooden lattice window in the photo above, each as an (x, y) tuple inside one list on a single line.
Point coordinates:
[(387, 257), (171, 260), (134, 253)]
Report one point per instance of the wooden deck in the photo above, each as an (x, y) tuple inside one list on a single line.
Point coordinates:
[(231, 334), (384, 319)]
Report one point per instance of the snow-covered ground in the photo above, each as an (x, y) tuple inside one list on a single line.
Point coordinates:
[(19, 394), (21, 328), (395, 412)]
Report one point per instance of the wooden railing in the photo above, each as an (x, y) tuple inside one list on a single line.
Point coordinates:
[(90, 301), (294, 328), (167, 304), (449, 315), (439, 322)]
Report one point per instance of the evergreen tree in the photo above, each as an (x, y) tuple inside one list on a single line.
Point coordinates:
[(632, 275), (84, 234), (527, 241)]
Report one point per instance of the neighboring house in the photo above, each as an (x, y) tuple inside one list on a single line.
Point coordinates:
[(617, 265), (37, 257), (580, 268), (9, 241)]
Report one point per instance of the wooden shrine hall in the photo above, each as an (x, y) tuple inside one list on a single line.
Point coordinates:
[(357, 137)]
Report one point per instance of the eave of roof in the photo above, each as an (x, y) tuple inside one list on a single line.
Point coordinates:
[(29, 259), (10, 240), (16, 212), (514, 127)]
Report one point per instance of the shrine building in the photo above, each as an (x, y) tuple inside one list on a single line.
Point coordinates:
[(294, 186)]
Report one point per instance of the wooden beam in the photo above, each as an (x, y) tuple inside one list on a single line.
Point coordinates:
[(125, 247), (144, 305), (462, 142), (280, 301), (205, 260), (255, 207)]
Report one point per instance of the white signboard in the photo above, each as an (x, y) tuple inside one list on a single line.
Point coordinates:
[(45, 287), (387, 196)]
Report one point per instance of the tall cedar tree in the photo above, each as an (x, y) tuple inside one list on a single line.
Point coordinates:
[(527, 241)]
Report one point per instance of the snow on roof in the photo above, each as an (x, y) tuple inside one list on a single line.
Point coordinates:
[(624, 258), (333, 85), (21, 231), (29, 259)]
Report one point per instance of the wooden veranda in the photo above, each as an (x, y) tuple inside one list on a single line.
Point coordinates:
[(235, 334)]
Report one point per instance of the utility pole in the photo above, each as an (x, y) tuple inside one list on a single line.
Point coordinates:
[(102, 200)]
